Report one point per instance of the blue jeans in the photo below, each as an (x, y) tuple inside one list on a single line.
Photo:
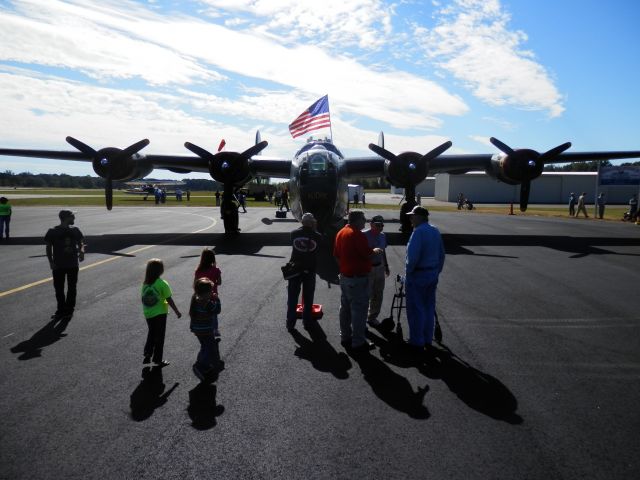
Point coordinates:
[(421, 306), (5, 220), (306, 280), (208, 353), (354, 303)]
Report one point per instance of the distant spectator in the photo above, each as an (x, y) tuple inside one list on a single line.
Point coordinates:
[(581, 205), (572, 204), (363, 199), (356, 200), (188, 195), (217, 198), (633, 207), (601, 202), (460, 200), (5, 217)]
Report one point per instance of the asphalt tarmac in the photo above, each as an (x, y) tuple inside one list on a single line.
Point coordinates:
[(537, 377)]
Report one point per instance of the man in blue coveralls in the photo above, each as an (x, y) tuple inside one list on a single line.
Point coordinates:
[(425, 259)]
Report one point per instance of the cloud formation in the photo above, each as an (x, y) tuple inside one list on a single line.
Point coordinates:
[(473, 43)]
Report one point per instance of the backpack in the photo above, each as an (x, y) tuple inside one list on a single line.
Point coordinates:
[(150, 296)]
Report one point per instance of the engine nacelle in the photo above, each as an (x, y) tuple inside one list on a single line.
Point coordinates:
[(122, 169), (408, 168), (230, 168), (516, 167)]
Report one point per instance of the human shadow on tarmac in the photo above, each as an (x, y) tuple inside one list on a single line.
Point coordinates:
[(392, 388), (47, 335), (149, 394), (478, 390), (202, 408), (321, 354)]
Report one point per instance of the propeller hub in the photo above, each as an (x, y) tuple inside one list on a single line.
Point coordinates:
[(224, 165), (104, 162), (412, 166)]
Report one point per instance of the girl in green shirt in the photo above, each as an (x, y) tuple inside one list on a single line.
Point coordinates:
[(156, 300)]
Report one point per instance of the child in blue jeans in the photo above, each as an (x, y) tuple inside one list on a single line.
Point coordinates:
[(204, 310)]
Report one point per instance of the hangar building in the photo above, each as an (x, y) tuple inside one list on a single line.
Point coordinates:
[(549, 188)]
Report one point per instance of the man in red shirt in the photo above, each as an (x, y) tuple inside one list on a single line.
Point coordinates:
[(353, 254)]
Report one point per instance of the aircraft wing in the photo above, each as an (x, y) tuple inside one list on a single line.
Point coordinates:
[(261, 166)]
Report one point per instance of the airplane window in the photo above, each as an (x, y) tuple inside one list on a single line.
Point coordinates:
[(317, 164)]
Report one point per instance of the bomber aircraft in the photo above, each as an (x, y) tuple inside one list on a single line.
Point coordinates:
[(318, 173)]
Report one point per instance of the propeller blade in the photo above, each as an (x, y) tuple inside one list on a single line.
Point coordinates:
[(133, 149), (437, 151), (554, 152), (223, 142), (382, 152), (257, 148), (199, 151), (83, 147), (108, 191), (501, 146), (525, 188)]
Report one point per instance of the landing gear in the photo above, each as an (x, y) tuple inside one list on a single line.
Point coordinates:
[(229, 211)]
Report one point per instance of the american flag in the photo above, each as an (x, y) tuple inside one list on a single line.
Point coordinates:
[(313, 118)]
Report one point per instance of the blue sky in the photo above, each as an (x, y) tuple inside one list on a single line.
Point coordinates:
[(111, 72)]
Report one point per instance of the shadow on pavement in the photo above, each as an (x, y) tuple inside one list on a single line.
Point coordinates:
[(47, 335), (202, 407), (392, 388), (149, 394), (321, 354), (478, 390)]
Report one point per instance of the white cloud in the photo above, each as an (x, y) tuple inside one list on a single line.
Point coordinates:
[(362, 23), (472, 41), (182, 49), (482, 140)]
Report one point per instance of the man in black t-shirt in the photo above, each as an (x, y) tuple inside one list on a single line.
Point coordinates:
[(65, 247)]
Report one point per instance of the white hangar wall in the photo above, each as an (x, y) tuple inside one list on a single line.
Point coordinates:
[(550, 187)]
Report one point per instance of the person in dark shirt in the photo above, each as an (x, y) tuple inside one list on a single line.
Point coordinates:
[(65, 248), (305, 242)]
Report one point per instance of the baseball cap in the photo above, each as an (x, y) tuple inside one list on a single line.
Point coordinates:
[(420, 211), (66, 213), (377, 219)]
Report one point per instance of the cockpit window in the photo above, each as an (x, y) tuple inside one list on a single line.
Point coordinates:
[(317, 164)]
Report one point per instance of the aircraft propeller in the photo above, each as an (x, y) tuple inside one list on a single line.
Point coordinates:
[(525, 165), (408, 168), (107, 160)]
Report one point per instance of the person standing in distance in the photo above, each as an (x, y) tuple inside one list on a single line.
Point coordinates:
[(379, 268), (65, 248), (5, 217), (581, 205), (424, 262), (572, 204), (601, 205), (353, 254), (305, 242)]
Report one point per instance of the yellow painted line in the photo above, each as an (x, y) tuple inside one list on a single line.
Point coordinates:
[(111, 259)]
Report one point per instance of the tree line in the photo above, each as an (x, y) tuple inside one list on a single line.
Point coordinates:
[(62, 180)]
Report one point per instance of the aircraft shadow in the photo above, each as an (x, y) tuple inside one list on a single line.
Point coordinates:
[(392, 388), (321, 354), (149, 394), (460, 243), (202, 408), (251, 244), (47, 335), (478, 390)]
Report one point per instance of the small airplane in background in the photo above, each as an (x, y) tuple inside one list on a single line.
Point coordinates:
[(149, 188), (318, 173)]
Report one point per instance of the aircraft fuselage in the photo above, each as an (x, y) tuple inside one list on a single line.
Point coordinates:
[(318, 184)]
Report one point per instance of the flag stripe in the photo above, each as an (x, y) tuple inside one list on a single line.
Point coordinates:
[(313, 118)]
